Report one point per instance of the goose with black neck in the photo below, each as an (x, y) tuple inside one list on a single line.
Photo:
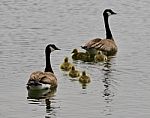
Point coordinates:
[(44, 80), (107, 45)]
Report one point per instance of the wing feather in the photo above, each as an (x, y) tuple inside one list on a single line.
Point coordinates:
[(106, 45), (43, 77)]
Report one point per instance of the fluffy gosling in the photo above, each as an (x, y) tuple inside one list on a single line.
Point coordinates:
[(66, 65), (74, 73), (84, 78), (79, 55), (100, 57)]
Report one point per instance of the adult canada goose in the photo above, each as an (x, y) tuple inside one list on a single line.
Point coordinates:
[(99, 57), (44, 80), (108, 45), (79, 55), (84, 78), (74, 73), (66, 66)]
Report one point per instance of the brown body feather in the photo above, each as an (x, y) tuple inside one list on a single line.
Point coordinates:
[(44, 77), (107, 46)]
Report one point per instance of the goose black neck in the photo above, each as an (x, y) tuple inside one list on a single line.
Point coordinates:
[(108, 32), (48, 67)]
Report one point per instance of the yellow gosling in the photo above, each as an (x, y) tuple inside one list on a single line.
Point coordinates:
[(74, 73), (79, 55), (66, 65), (84, 78), (100, 57)]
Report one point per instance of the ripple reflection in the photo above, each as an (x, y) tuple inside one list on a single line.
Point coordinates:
[(108, 93), (44, 100)]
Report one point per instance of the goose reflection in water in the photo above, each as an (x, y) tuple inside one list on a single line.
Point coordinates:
[(41, 94), (107, 92), (37, 97)]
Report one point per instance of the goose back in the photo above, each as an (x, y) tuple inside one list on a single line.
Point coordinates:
[(43, 78)]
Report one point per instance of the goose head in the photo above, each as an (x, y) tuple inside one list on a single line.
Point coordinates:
[(50, 48), (108, 12)]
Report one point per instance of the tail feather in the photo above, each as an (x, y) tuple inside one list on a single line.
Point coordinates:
[(36, 85)]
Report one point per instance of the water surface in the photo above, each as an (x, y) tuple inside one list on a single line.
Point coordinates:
[(27, 26)]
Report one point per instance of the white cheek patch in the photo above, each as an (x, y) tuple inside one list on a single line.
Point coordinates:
[(52, 49), (108, 13)]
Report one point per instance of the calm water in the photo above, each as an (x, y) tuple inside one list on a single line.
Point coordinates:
[(27, 26)]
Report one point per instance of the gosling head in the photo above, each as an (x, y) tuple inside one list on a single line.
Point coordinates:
[(72, 68), (83, 73), (99, 52), (50, 48), (75, 51), (108, 12), (66, 59)]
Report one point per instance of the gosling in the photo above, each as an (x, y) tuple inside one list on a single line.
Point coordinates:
[(74, 73), (79, 55), (100, 57), (84, 78), (66, 65)]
